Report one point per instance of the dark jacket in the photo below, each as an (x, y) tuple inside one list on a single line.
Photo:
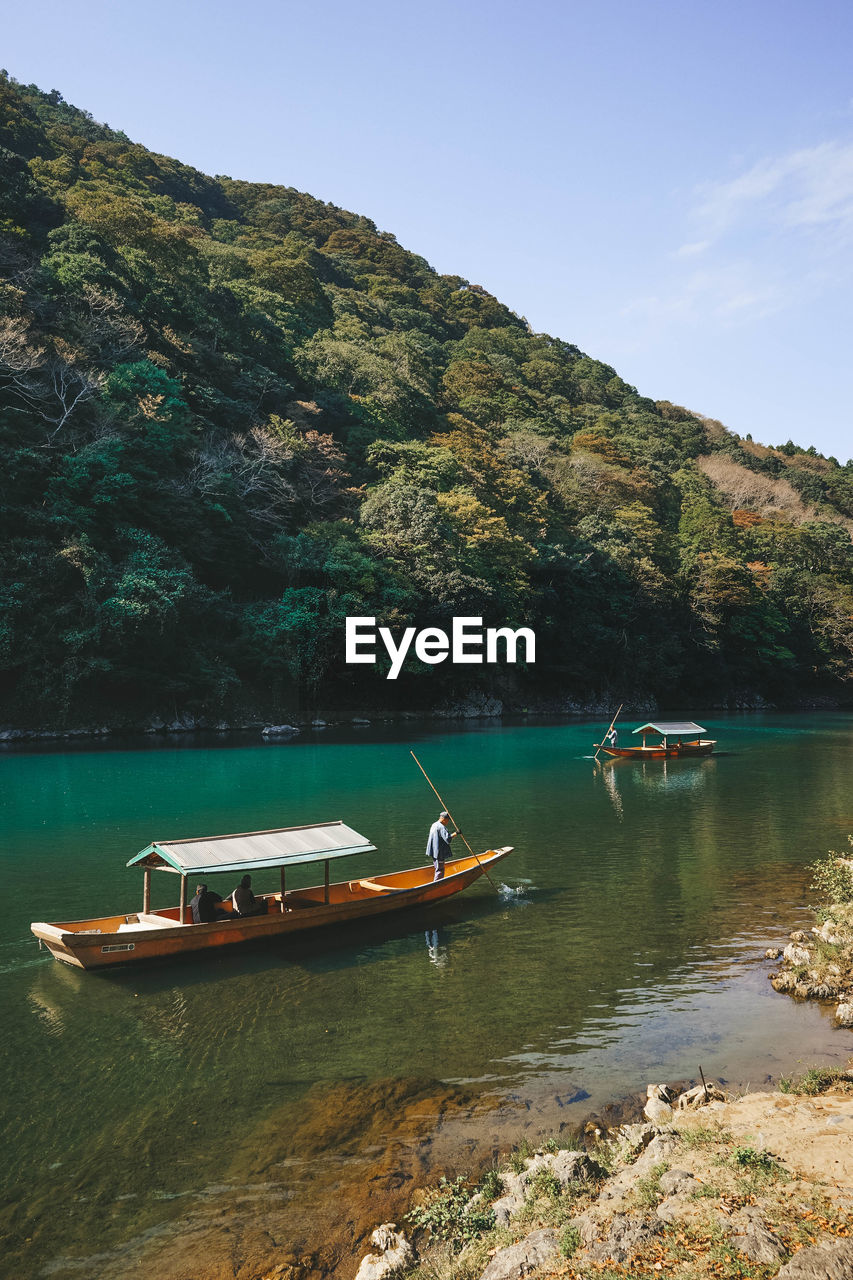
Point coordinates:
[(204, 906)]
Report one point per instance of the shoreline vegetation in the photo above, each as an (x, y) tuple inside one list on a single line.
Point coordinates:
[(818, 965), (233, 416), (755, 1186)]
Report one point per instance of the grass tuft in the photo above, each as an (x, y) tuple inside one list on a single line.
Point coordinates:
[(492, 1184), (701, 1134), (815, 1080), (570, 1241), (648, 1190), (520, 1155)]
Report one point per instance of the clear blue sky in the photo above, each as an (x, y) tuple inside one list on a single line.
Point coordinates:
[(666, 183)]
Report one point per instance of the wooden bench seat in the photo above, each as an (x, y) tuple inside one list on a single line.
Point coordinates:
[(157, 922)]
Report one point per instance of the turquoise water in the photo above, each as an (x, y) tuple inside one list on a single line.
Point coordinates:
[(624, 946)]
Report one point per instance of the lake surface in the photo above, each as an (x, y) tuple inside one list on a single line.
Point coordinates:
[(273, 1101)]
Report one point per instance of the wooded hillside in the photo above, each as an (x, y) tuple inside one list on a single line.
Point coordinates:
[(231, 415)]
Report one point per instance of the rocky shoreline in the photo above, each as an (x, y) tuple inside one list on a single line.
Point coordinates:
[(818, 965), (282, 727), (758, 1186), (470, 706)]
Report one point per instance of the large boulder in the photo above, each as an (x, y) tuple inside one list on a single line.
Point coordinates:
[(512, 1199), (658, 1111), (627, 1234), (678, 1182), (621, 1186), (575, 1166), (759, 1245), (539, 1250), (506, 1208), (832, 1261), (634, 1137), (566, 1166)]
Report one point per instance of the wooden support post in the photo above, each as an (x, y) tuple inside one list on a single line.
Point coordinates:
[(183, 907), (146, 890), (326, 882), (283, 891)]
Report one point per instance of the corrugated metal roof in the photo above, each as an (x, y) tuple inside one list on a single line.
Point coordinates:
[(671, 728), (255, 849)]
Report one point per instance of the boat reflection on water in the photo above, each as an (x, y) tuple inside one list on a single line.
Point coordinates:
[(609, 776), (437, 953), (675, 775), (48, 1012), (672, 777)]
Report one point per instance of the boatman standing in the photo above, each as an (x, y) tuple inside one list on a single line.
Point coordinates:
[(438, 845)]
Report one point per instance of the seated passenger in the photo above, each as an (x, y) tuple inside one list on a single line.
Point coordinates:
[(245, 902), (204, 908)]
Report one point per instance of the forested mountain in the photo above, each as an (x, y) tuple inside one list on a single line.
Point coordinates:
[(232, 415)]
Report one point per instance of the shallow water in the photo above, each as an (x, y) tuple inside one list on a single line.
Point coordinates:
[(625, 945)]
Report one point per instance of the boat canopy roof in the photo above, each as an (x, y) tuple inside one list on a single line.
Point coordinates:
[(254, 850), (671, 728)]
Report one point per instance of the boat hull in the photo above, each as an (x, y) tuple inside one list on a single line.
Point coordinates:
[(111, 941), (684, 749)]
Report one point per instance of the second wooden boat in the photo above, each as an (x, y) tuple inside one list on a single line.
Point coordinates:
[(676, 738), (108, 941)]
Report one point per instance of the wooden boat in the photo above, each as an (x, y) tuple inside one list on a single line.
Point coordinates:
[(677, 738), (152, 935)]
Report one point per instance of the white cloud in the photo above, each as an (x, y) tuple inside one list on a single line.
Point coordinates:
[(809, 188), (777, 234), (692, 250)]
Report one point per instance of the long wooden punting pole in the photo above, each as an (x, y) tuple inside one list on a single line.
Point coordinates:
[(612, 723), (455, 823)]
